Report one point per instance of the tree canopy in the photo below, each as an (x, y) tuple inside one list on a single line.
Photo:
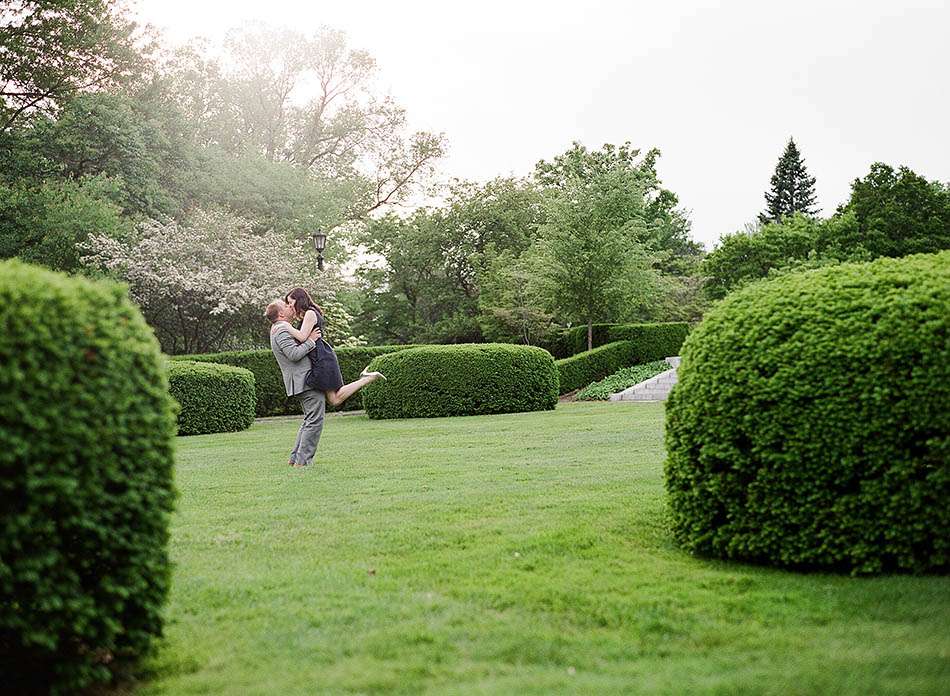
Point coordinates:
[(591, 236), (890, 212), (52, 50)]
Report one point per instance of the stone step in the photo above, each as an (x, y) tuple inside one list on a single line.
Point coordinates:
[(657, 388), (645, 397)]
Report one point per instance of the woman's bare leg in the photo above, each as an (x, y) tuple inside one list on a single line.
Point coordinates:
[(338, 396)]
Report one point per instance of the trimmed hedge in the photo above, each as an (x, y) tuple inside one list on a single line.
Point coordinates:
[(810, 427), (269, 393), (214, 398), (556, 344), (462, 380), (653, 341), (576, 338), (580, 370), (86, 433), (271, 397)]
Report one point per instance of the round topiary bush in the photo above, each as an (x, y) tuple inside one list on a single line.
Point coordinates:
[(86, 432), (462, 380), (811, 424), (213, 398)]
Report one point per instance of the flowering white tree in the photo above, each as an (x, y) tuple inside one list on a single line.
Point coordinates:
[(203, 284)]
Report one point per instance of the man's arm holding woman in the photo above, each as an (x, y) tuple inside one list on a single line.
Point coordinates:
[(289, 346)]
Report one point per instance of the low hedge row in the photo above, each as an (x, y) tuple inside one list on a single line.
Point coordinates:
[(269, 384), (650, 342), (556, 344), (653, 341), (214, 398), (575, 339), (580, 370), (462, 380)]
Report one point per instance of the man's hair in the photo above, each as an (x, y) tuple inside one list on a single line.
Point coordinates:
[(273, 309)]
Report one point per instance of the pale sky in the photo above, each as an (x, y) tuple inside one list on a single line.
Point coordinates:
[(718, 87)]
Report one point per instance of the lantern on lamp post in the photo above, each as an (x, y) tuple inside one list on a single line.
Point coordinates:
[(319, 243)]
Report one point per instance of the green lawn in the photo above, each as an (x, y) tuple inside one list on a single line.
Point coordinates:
[(517, 554)]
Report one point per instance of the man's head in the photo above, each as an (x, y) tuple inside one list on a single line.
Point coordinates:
[(278, 311)]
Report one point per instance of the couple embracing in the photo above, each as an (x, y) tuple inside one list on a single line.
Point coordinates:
[(309, 366)]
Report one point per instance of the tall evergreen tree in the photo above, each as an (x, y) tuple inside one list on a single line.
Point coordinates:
[(793, 191)]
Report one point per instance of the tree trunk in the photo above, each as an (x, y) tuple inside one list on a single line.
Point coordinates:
[(590, 334)]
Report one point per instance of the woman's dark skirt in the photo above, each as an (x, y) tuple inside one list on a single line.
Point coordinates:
[(325, 372)]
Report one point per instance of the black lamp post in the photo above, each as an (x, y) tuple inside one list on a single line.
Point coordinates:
[(319, 243)]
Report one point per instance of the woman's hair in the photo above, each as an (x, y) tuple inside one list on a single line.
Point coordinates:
[(302, 302)]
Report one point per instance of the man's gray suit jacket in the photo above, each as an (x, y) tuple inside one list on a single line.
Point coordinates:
[(292, 359)]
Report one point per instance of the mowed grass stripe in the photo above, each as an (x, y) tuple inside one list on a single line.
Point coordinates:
[(523, 553)]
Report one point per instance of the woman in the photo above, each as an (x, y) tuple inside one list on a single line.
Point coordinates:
[(325, 372)]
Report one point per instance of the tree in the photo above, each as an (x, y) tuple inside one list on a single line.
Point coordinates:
[(594, 266), (271, 195), (680, 298), (480, 221), (793, 191), (664, 228), (482, 265), (51, 50), (890, 213), (512, 300), (897, 212), (409, 293), (750, 255), (47, 222), (192, 81), (427, 283), (203, 285), (612, 234), (345, 131), (113, 135)]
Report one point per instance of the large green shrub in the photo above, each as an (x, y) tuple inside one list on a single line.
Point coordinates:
[(214, 398), (86, 432), (811, 423), (462, 380), (580, 370), (271, 396)]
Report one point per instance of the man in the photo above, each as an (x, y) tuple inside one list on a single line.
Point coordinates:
[(294, 366)]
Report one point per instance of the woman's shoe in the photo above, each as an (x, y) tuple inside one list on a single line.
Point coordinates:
[(376, 375)]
